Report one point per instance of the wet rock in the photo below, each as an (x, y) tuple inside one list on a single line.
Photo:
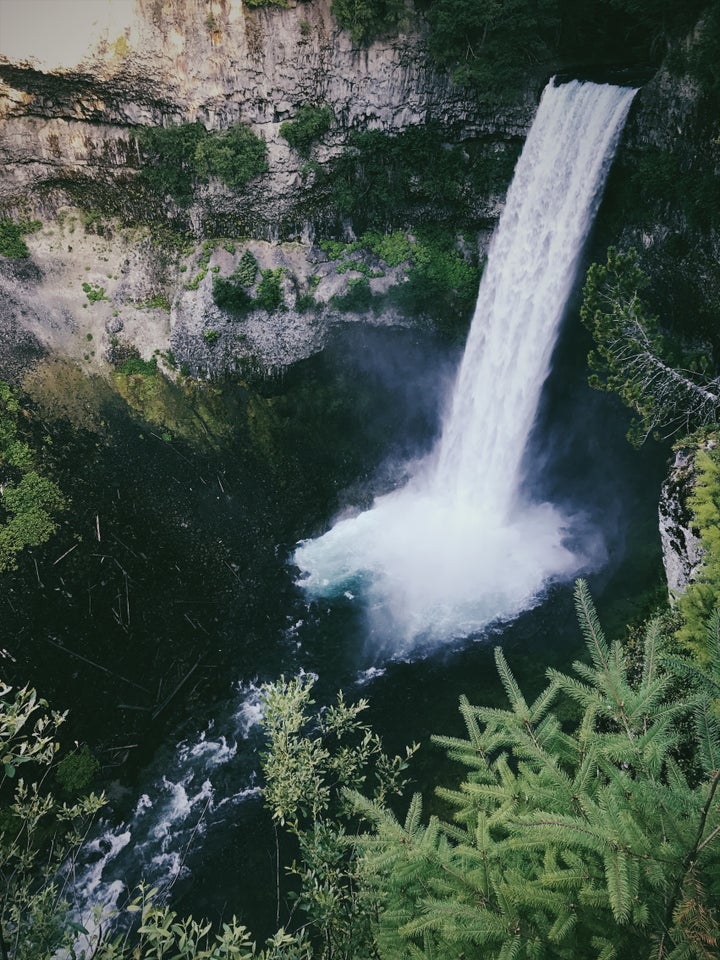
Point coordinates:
[(681, 549)]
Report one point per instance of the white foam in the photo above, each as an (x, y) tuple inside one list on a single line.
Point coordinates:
[(460, 546)]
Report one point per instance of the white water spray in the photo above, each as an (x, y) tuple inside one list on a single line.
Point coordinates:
[(458, 547)]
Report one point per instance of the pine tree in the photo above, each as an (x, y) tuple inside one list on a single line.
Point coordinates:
[(590, 838)]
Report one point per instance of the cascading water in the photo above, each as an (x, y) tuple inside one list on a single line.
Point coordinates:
[(459, 546)]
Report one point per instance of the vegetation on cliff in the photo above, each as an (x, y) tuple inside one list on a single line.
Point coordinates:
[(178, 157), (29, 500)]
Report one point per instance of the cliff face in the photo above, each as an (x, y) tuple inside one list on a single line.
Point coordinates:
[(681, 548), (219, 63), (69, 139)]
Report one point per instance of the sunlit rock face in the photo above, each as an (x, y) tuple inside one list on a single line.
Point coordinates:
[(682, 552), (186, 60)]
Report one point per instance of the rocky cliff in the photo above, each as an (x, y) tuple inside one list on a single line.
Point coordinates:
[(69, 139), (221, 63)]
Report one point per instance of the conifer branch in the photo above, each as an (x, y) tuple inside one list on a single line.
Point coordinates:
[(689, 860)]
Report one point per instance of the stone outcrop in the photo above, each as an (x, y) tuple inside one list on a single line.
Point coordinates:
[(681, 548), (219, 63)]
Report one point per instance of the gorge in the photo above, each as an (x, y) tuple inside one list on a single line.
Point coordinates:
[(198, 441)]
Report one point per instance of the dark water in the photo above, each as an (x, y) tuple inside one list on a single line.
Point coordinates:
[(197, 544)]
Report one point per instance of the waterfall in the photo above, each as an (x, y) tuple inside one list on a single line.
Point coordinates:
[(460, 545)]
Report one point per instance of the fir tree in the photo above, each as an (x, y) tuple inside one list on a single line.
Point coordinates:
[(591, 838)]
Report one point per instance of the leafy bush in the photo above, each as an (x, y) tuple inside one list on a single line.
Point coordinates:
[(29, 501), (77, 770), (383, 181), (158, 301), (135, 366), (366, 20), (29, 506), (358, 299), (440, 283), (394, 248), (169, 156), (234, 156), (211, 337), (94, 292), (269, 291), (232, 297), (310, 123), (305, 302), (12, 244), (178, 156)]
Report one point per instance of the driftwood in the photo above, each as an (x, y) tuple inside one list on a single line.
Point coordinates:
[(158, 710), (98, 666)]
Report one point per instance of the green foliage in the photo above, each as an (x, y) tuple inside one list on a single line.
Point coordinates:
[(234, 156), (211, 337), (232, 297), (176, 157), (702, 596), (94, 292), (310, 124), (269, 294), (305, 302), (366, 20), (310, 762), (246, 270), (660, 180), (29, 501), (136, 366), (12, 244), (169, 155), (440, 283), (358, 299), (578, 839), (394, 248), (38, 835), (158, 301), (29, 506), (383, 182), (488, 44), (631, 358), (76, 772), (203, 264)]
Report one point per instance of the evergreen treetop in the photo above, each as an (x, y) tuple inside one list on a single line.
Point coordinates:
[(595, 837)]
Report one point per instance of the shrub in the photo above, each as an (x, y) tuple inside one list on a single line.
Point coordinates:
[(394, 248), (170, 158), (305, 302), (310, 123), (367, 19), (211, 337), (235, 156), (158, 301), (136, 365), (77, 770), (29, 505), (231, 296), (12, 244), (94, 292), (269, 291), (383, 181), (358, 299), (440, 283)]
